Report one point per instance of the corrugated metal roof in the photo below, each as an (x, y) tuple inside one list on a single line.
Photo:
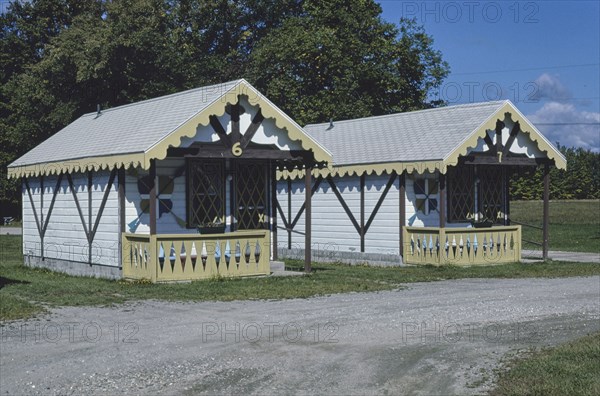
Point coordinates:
[(131, 128), (423, 135)]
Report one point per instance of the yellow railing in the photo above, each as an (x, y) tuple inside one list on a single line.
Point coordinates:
[(462, 246), (136, 256), (177, 257)]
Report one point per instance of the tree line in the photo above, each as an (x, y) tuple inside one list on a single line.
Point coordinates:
[(581, 179), (315, 59)]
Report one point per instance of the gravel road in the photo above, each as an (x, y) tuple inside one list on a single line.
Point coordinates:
[(430, 338)]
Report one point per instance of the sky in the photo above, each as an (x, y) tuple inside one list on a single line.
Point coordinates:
[(544, 56)]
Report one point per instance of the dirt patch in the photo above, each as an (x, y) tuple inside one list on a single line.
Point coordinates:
[(430, 338)]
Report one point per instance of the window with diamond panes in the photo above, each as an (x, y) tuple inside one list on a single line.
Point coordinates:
[(206, 192), (250, 195), (426, 191), (461, 198), (491, 192)]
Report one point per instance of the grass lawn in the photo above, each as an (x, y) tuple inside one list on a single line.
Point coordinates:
[(16, 224), (26, 291), (569, 369), (574, 225)]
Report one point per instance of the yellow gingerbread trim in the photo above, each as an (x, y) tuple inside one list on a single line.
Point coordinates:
[(78, 165), (268, 109), (508, 110), (173, 138), (357, 170)]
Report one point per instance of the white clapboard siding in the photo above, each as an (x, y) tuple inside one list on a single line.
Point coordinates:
[(31, 239), (65, 238), (417, 218), (167, 222), (332, 228), (383, 235)]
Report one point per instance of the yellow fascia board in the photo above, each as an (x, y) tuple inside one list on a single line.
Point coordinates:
[(510, 111), (74, 165), (217, 107), (173, 138), (419, 167)]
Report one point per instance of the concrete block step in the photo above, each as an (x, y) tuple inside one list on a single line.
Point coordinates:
[(277, 266)]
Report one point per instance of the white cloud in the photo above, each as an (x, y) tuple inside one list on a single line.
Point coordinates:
[(575, 133), (550, 87)]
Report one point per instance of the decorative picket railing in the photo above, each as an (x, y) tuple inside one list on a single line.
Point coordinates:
[(178, 257), (462, 246)]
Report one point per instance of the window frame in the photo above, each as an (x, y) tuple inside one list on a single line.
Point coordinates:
[(192, 223), (452, 196)]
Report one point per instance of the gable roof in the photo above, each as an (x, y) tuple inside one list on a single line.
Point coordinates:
[(133, 134), (424, 140)]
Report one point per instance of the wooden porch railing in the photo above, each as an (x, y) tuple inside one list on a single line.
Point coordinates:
[(177, 257), (462, 246)]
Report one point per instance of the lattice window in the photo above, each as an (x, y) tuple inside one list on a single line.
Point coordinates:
[(491, 192), (426, 191), (206, 192), (461, 195), (250, 195)]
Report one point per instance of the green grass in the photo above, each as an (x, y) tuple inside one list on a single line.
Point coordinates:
[(574, 225), (569, 369), (15, 224), (25, 291)]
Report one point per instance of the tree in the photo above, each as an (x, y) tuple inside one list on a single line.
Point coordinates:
[(60, 58), (26, 28), (581, 179), (338, 59)]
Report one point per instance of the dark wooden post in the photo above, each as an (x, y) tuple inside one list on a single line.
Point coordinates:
[(90, 185), (402, 209), (274, 209), (507, 173), (152, 198), (442, 203), (41, 216), (362, 213), (289, 208), (121, 182), (307, 219), (546, 224)]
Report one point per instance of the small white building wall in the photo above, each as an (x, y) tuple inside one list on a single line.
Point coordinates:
[(267, 133), (333, 230), (137, 222), (31, 237), (521, 145), (383, 235), (65, 238), (414, 217), (168, 223)]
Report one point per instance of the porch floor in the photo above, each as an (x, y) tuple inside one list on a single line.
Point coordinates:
[(278, 269)]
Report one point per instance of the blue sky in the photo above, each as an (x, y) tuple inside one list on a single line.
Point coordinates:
[(542, 55)]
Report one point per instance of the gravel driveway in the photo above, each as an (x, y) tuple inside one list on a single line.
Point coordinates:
[(430, 338)]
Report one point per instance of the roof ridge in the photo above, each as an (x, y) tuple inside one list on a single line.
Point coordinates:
[(463, 105), (165, 96)]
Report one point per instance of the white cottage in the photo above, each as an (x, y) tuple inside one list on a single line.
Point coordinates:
[(173, 188), (428, 186)]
